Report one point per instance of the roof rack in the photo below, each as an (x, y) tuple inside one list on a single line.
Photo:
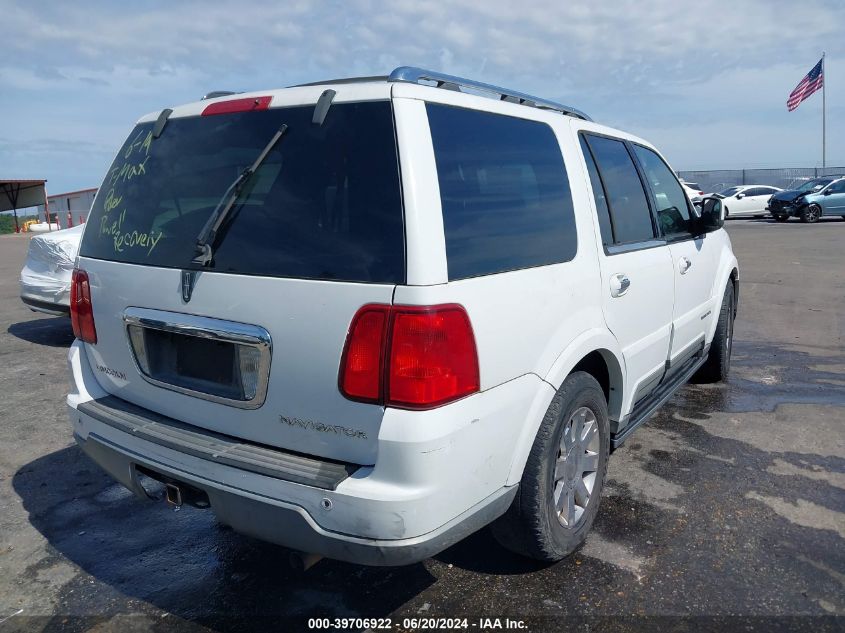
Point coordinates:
[(414, 75), (218, 93), (347, 80)]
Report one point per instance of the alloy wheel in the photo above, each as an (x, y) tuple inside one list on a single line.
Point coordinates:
[(576, 466)]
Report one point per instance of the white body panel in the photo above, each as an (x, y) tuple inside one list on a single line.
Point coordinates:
[(307, 321), (693, 267)]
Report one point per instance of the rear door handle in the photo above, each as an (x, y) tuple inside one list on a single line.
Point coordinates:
[(619, 284), (684, 265)]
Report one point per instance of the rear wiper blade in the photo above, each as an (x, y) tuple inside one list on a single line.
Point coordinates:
[(208, 236)]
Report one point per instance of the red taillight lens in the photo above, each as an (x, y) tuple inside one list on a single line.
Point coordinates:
[(412, 357), (81, 310), (230, 106), (363, 356), (433, 359)]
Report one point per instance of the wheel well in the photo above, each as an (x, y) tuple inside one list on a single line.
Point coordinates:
[(735, 282), (603, 366)]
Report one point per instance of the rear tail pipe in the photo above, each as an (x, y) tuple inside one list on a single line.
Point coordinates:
[(303, 561), (173, 494)]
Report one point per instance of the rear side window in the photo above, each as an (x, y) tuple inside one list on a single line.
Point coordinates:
[(673, 212), (325, 204), (626, 196), (504, 192), (598, 193)]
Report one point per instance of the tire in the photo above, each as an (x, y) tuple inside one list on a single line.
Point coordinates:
[(780, 218), (718, 364), (532, 525), (811, 214)]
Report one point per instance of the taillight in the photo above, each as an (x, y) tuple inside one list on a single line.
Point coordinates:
[(363, 356), (81, 310), (432, 358), (410, 357)]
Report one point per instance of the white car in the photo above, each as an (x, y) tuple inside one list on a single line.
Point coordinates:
[(746, 200), (417, 312), (46, 275), (693, 190)]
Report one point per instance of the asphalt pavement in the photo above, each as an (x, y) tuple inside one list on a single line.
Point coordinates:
[(727, 509)]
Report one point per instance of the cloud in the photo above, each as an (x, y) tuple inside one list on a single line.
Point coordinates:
[(664, 69)]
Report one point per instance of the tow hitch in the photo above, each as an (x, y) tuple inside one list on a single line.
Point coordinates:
[(176, 493)]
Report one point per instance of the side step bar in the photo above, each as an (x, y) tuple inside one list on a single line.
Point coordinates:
[(646, 407)]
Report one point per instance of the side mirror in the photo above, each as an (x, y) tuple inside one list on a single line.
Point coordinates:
[(826, 192), (740, 196), (712, 215)]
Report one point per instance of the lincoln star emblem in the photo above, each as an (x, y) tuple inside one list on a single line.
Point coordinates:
[(188, 277)]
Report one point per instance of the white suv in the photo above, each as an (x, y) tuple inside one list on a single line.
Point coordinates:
[(365, 318)]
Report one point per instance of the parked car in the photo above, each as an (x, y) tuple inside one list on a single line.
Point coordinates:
[(693, 190), (368, 363), (812, 200), (746, 200), (46, 274)]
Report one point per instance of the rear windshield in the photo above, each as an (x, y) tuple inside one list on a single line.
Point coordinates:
[(325, 204)]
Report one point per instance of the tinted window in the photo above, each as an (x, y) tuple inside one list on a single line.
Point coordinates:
[(325, 204), (504, 192), (626, 197), (757, 191), (815, 184), (598, 193), (837, 187), (672, 209), (730, 191)]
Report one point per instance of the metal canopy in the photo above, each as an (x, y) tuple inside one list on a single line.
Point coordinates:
[(20, 194)]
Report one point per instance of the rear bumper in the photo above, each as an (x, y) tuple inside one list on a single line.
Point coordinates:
[(440, 475), (287, 524), (47, 307), (45, 293)]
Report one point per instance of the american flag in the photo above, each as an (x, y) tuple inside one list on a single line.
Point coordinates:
[(812, 82)]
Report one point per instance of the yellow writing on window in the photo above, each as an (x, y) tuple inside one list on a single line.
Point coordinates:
[(128, 239)]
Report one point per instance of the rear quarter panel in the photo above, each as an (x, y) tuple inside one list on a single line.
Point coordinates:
[(534, 321)]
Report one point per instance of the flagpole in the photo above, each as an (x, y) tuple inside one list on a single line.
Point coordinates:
[(824, 109)]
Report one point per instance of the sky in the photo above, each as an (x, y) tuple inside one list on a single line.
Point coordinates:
[(706, 82)]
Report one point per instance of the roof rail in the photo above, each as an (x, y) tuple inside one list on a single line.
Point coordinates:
[(414, 75), (218, 93)]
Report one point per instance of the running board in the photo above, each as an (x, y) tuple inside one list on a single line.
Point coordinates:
[(644, 409)]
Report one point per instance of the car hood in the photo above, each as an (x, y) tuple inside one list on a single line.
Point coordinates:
[(789, 195)]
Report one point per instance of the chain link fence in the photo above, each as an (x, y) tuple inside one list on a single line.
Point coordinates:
[(718, 179)]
